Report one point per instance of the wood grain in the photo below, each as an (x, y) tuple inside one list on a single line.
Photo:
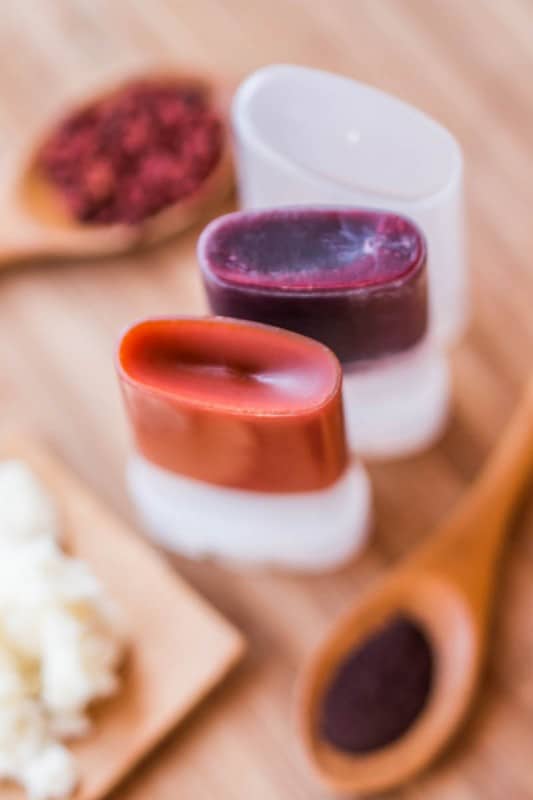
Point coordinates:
[(468, 64)]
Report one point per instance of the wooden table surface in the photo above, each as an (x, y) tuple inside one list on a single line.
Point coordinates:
[(467, 63)]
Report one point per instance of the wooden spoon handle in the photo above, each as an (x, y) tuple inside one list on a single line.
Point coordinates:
[(509, 468), (468, 545), (23, 241)]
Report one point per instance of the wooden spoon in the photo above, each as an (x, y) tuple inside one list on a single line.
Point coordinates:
[(447, 585), (35, 221)]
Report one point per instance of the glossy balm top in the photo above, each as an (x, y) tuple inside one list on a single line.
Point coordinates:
[(354, 279), (233, 403), (312, 249)]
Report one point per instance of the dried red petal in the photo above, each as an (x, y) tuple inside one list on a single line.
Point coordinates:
[(131, 155), (100, 179)]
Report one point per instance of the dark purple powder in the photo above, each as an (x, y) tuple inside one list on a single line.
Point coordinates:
[(379, 690)]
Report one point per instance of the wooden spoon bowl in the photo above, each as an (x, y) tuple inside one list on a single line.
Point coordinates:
[(36, 222), (447, 587), (455, 647)]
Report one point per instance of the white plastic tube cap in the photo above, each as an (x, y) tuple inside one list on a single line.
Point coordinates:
[(307, 136)]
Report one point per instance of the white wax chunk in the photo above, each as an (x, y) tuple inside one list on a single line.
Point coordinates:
[(60, 641)]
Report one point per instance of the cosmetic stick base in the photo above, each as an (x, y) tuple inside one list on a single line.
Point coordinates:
[(303, 531), (398, 406)]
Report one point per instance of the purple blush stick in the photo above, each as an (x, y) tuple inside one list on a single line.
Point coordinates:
[(356, 280)]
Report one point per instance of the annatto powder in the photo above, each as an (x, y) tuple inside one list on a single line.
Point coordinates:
[(127, 157)]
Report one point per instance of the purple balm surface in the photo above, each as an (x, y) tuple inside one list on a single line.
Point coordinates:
[(354, 279)]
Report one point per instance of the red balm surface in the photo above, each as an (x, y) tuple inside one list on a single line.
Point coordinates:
[(234, 403), (355, 279), (128, 156)]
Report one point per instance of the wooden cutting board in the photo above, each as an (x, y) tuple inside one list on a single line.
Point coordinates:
[(179, 647)]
